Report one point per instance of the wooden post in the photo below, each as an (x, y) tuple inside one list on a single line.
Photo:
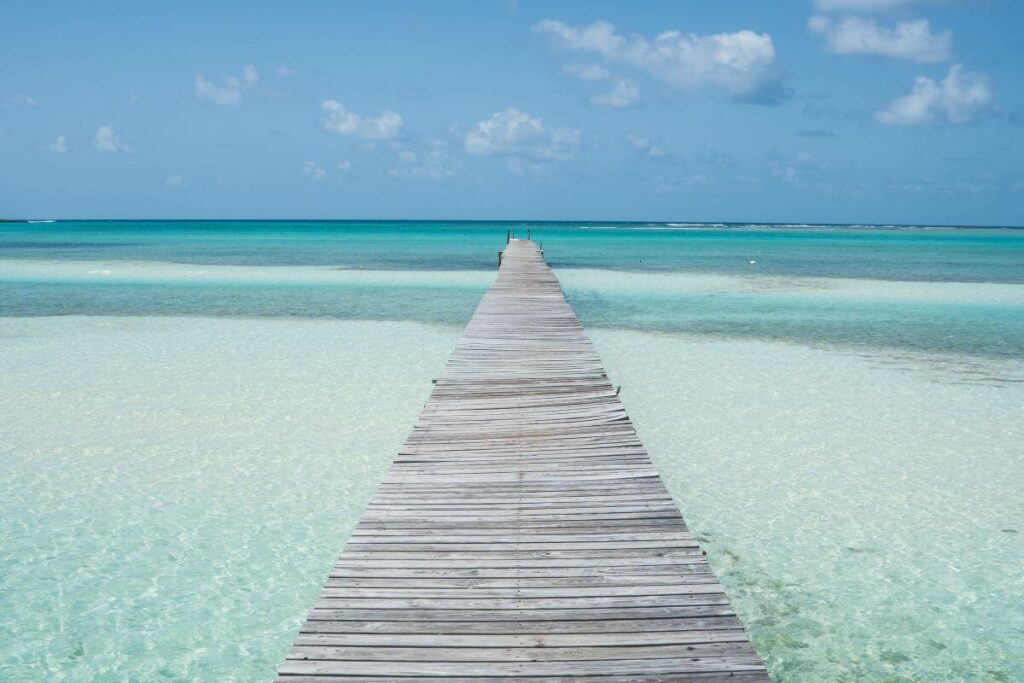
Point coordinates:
[(499, 258)]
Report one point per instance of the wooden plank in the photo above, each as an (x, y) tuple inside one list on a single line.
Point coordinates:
[(522, 531), (731, 677), (679, 666)]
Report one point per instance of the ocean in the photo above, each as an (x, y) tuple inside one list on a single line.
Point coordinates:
[(194, 413)]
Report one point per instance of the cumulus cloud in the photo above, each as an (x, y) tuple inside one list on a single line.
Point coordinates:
[(910, 40), (957, 99), (230, 92), (313, 172), (106, 140), (340, 121), (741, 63), (60, 145), (513, 133)]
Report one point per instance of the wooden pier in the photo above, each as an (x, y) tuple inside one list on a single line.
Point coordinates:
[(522, 532)]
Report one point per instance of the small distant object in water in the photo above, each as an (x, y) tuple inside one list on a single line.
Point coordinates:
[(753, 262)]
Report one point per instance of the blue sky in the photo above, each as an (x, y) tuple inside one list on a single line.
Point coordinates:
[(902, 111)]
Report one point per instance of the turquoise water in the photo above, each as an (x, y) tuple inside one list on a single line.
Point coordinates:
[(100, 268), (193, 415), (893, 253)]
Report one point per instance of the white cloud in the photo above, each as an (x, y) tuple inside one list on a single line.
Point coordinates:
[(177, 181), (956, 100), (284, 71), (623, 94), (587, 72), (910, 40), (713, 154), (313, 172), (230, 93), (340, 121), (514, 133), (250, 76), (740, 63), (644, 146), (106, 140), (344, 166), (794, 169), (522, 167), (433, 163), (863, 5), (19, 100), (60, 145)]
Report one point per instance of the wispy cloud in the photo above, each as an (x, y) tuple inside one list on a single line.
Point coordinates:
[(955, 100), (18, 100), (713, 154), (313, 172), (741, 63), (623, 92), (586, 71), (230, 91), (434, 162), (909, 40), (284, 71), (60, 145), (795, 168), (340, 121), (178, 182), (645, 146), (821, 133), (106, 140)]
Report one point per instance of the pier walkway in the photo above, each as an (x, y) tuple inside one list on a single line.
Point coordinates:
[(522, 532)]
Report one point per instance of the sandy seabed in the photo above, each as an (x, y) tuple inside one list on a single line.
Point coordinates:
[(174, 490)]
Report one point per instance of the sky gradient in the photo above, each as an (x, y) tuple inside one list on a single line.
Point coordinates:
[(842, 111)]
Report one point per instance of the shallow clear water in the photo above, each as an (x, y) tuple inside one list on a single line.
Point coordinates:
[(194, 414), (174, 490), (864, 511)]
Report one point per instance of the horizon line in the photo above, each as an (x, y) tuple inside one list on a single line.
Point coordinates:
[(694, 223)]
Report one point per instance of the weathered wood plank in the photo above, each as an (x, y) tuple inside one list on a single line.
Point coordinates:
[(522, 531)]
